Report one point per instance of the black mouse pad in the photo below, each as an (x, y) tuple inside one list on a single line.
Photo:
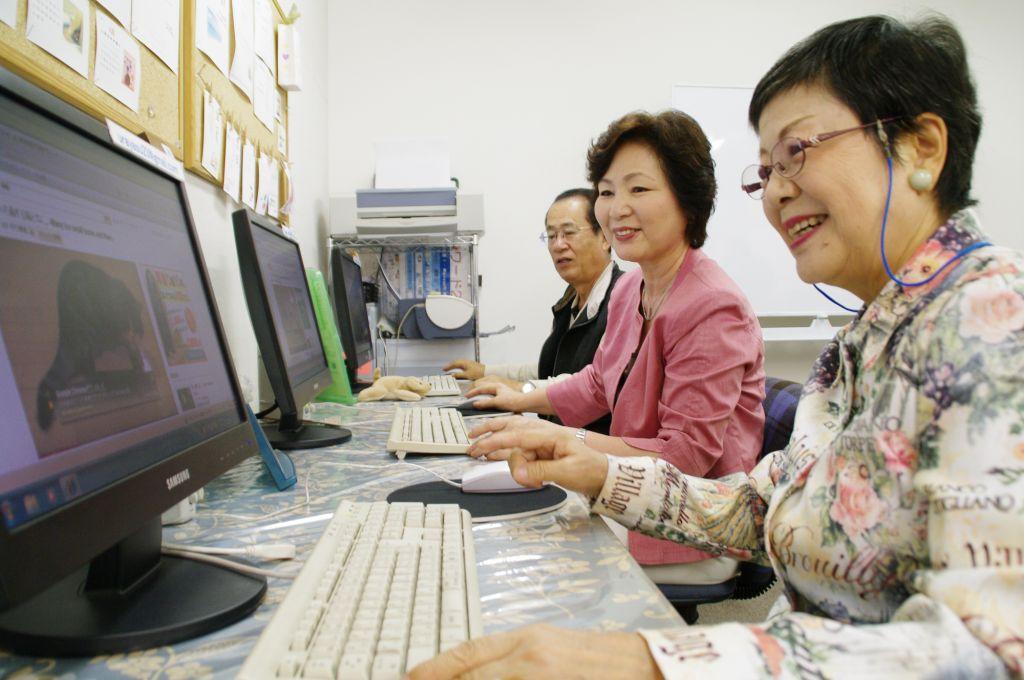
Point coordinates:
[(484, 507)]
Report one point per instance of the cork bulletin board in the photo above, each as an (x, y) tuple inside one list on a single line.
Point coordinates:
[(199, 73), (159, 117)]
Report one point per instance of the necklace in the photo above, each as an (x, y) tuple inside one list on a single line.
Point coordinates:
[(647, 311)]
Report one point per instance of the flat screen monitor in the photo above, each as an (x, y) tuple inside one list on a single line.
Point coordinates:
[(350, 310), (282, 316), (117, 391)]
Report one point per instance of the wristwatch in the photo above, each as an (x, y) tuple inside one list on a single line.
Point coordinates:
[(527, 387)]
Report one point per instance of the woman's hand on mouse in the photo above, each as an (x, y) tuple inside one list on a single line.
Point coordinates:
[(539, 451), (503, 397)]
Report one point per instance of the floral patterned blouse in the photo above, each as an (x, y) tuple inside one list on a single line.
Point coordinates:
[(895, 516)]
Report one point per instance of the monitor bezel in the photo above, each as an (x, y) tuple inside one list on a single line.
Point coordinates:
[(347, 330), (289, 395), (39, 553)]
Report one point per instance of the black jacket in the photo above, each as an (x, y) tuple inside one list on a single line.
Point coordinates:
[(570, 350)]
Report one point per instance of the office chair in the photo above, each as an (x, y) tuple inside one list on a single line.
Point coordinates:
[(751, 580)]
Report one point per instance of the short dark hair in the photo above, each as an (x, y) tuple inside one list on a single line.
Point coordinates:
[(880, 68), (586, 194), (683, 152)]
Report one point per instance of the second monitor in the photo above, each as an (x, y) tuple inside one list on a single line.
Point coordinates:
[(281, 310)]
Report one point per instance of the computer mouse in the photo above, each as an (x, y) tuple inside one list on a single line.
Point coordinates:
[(470, 404), (469, 408), (491, 477)]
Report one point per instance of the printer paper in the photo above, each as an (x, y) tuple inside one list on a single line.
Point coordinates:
[(412, 164)]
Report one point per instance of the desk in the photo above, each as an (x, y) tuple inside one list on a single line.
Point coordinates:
[(564, 568)]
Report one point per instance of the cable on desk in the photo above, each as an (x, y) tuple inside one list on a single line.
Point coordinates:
[(438, 475), (265, 412), (227, 564), (259, 551)]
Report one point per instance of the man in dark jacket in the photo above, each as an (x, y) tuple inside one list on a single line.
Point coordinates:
[(582, 257)]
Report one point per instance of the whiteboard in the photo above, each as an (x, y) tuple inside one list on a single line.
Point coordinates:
[(740, 238)]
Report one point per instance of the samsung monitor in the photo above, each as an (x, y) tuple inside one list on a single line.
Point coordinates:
[(353, 321), (282, 316), (117, 392)]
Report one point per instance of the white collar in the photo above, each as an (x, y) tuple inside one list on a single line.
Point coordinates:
[(596, 296)]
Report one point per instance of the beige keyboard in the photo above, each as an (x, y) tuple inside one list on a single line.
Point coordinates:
[(442, 386), (387, 586), (425, 429)]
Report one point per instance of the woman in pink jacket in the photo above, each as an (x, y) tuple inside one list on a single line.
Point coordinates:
[(680, 367)]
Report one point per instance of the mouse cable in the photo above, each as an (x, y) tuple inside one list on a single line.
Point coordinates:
[(264, 551), (228, 564), (439, 476)]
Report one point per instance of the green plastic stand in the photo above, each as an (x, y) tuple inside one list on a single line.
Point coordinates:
[(340, 392)]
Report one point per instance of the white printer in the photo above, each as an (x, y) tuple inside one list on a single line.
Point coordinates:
[(396, 212)]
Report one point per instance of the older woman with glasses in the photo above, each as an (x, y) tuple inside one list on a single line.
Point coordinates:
[(894, 516), (680, 368)]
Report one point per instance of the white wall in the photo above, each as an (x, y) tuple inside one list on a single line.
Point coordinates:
[(212, 209), (520, 88)]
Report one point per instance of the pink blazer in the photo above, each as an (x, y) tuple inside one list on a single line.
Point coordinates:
[(694, 394)]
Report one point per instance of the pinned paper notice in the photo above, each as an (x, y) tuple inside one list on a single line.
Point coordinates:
[(242, 62), (9, 12), (118, 69), (157, 25), (213, 135), (249, 174), (232, 163), (61, 27), (273, 187), (412, 164), (212, 31), (263, 94), (262, 184), (121, 9), (263, 33)]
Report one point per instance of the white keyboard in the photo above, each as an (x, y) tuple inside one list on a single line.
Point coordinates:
[(442, 386), (426, 429), (388, 585)]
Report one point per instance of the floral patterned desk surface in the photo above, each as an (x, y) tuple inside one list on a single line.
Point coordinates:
[(564, 567)]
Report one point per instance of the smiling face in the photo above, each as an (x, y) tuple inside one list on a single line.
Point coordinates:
[(830, 213), (578, 253), (637, 208)]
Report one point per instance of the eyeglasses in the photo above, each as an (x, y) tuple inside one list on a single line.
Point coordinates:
[(787, 157), (569, 234)]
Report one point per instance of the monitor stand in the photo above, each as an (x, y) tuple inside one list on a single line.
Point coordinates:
[(291, 433), (130, 597)]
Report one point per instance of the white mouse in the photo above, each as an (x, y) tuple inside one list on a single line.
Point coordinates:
[(491, 477)]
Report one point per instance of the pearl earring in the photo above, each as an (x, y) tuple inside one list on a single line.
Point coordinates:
[(920, 180)]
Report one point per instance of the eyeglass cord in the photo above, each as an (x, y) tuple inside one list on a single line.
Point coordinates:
[(885, 261)]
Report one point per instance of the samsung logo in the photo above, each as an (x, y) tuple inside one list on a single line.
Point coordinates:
[(175, 480)]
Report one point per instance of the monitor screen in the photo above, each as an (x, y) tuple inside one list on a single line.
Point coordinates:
[(284, 279), (350, 309), (109, 356), (281, 311), (116, 388)]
